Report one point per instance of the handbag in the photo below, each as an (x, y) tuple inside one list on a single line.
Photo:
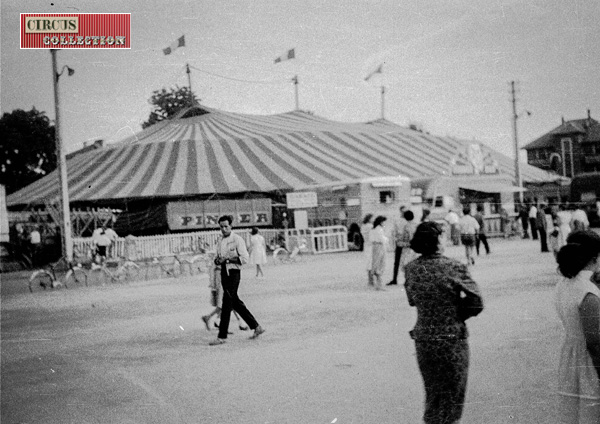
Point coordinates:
[(469, 305)]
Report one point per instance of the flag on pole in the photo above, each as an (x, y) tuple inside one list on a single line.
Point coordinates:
[(180, 42), (291, 54), (379, 70)]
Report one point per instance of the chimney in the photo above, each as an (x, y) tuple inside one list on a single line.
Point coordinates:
[(563, 119), (589, 115)]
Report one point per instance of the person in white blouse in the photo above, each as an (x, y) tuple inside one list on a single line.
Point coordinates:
[(379, 241)]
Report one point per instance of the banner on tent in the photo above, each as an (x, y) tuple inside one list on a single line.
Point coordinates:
[(204, 214)]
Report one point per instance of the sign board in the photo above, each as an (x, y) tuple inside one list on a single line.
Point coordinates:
[(302, 199), (204, 214)]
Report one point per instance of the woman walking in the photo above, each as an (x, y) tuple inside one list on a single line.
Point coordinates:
[(379, 242), (578, 306), (258, 250), (445, 296), (365, 232)]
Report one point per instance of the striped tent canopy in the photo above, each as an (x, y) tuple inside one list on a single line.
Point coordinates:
[(204, 151)]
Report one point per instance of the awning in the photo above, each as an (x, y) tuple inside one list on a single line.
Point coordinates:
[(491, 187)]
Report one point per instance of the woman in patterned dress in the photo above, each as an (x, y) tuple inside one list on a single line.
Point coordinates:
[(379, 241), (445, 296), (578, 305)]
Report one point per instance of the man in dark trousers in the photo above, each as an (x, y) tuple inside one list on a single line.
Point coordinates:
[(542, 224), (481, 236), (231, 255), (524, 216), (397, 232)]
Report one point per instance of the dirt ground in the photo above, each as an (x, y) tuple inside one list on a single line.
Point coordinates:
[(333, 352)]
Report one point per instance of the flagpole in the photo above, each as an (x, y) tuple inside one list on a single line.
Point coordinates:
[(382, 102), (295, 80), (187, 65)]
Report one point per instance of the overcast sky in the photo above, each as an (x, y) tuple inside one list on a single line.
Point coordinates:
[(447, 64)]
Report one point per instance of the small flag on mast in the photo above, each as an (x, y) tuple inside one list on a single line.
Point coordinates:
[(291, 54), (379, 70), (180, 42)]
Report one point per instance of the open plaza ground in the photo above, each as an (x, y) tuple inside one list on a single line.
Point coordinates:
[(334, 351)]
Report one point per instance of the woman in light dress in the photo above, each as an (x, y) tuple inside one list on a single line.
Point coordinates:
[(258, 250), (365, 232), (379, 241), (578, 306), (564, 224)]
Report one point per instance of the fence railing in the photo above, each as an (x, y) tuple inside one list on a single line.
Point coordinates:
[(318, 240)]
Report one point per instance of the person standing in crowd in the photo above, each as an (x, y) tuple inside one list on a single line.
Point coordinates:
[(542, 226), (533, 210), (231, 255), (577, 302), (468, 231), (102, 243), (397, 231), (524, 217), (506, 222), (445, 296), (564, 224), (579, 219), (379, 242), (425, 217), (409, 231), (481, 235), (35, 243), (258, 250), (554, 234), (113, 236), (452, 219), (365, 232)]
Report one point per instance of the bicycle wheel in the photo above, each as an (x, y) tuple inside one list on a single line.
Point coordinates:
[(281, 255), (130, 271), (76, 277), (40, 280)]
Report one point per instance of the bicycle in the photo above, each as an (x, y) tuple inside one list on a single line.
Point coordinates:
[(120, 270), (282, 255), (47, 278)]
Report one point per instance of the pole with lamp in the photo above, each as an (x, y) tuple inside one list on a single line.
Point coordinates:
[(67, 241), (518, 177)]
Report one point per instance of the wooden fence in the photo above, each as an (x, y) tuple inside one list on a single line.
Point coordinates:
[(318, 240)]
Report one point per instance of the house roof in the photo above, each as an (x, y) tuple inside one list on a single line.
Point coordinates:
[(204, 151), (589, 128)]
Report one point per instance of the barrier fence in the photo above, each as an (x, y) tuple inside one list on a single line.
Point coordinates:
[(317, 240)]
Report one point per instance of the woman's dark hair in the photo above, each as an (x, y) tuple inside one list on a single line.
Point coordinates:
[(426, 238), (581, 248), (379, 220), (409, 215), (254, 231), (368, 217)]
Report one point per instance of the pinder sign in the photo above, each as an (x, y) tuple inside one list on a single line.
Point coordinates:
[(75, 30)]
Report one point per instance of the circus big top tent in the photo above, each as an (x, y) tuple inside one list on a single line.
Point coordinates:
[(205, 153)]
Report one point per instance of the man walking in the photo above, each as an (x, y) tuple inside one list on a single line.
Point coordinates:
[(542, 227), (231, 255), (452, 219), (533, 220), (481, 236), (397, 232)]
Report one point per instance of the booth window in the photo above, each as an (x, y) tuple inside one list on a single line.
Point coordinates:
[(386, 196)]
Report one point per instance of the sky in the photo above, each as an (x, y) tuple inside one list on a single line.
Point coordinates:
[(447, 65)]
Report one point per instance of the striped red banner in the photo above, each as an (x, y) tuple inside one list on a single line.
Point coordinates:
[(75, 30)]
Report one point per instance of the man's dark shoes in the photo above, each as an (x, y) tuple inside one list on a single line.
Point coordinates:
[(257, 332), (392, 283), (217, 342)]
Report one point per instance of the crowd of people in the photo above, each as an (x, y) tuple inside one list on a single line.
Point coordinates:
[(445, 296)]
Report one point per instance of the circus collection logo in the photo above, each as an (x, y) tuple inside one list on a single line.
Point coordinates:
[(80, 30)]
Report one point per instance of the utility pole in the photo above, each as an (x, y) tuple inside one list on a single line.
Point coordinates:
[(187, 65), (67, 241), (382, 102), (519, 180), (295, 81)]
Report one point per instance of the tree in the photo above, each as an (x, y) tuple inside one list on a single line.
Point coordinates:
[(27, 143), (168, 103)]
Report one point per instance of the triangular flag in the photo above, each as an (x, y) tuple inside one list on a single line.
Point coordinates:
[(291, 54), (379, 70), (180, 42)]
